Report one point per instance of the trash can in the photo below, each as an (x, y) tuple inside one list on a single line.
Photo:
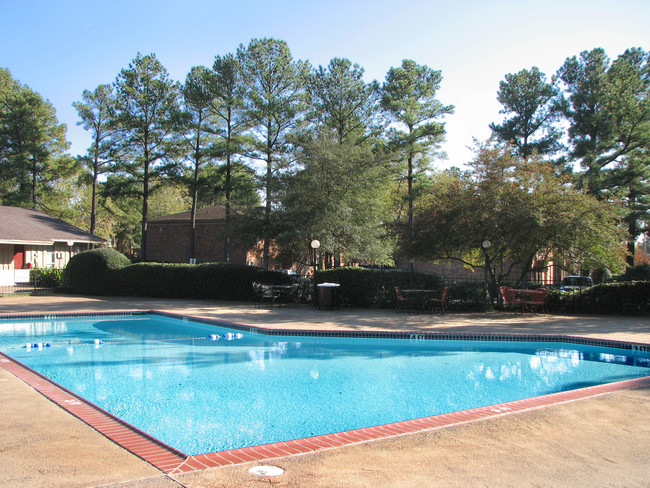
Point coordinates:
[(327, 295)]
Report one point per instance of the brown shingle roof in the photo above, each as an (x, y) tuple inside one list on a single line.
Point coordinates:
[(28, 226)]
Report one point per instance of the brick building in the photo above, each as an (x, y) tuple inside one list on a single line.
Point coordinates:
[(168, 238), (549, 274)]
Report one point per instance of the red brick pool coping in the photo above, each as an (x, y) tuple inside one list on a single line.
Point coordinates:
[(171, 461)]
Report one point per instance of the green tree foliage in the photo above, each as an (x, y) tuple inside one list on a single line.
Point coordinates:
[(213, 101), (243, 184), (526, 212), (608, 107), (339, 100), (148, 117), (409, 98), (33, 147), (97, 114), (228, 109), (121, 216), (339, 196), (338, 192), (530, 106), (274, 84), (197, 98)]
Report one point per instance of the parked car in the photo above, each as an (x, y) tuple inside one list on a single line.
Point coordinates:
[(289, 272), (576, 283)]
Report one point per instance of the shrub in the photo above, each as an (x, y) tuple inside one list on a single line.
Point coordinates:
[(556, 299), (625, 298), (92, 271), (219, 281), (601, 275), (47, 277), (640, 272), (467, 297)]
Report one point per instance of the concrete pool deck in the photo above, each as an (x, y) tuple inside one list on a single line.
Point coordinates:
[(598, 441)]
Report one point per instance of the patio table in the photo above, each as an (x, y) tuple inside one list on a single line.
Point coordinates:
[(419, 297)]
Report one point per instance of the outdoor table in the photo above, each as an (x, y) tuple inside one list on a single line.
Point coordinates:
[(283, 294), (281, 288), (418, 296), (524, 299)]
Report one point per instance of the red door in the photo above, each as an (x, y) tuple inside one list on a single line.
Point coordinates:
[(19, 257)]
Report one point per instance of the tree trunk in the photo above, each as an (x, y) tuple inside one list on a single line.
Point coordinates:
[(227, 230), (409, 180), (34, 182), (267, 212), (145, 208), (633, 231), (195, 194), (93, 209)]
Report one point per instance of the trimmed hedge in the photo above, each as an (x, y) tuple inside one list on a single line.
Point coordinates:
[(93, 271), (219, 281), (107, 272), (625, 298), (101, 272)]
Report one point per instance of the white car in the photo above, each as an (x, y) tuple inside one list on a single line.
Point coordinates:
[(576, 283), (289, 272)]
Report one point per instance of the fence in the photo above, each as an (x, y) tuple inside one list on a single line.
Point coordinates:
[(463, 278), (26, 289)]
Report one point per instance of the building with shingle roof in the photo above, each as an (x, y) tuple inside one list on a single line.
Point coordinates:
[(30, 238), (168, 237)]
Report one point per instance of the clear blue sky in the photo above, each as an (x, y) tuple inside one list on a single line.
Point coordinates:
[(61, 47)]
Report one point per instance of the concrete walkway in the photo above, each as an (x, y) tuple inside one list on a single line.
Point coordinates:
[(598, 441)]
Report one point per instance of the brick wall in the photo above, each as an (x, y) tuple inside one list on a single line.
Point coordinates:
[(169, 242)]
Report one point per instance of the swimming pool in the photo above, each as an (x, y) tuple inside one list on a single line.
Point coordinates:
[(201, 387)]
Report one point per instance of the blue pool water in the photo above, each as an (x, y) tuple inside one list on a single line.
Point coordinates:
[(200, 394)]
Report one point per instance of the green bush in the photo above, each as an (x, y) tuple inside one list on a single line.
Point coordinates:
[(637, 273), (47, 277), (556, 299), (625, 298), (467, 297), (219, 281), (601, 275), (92, 272)]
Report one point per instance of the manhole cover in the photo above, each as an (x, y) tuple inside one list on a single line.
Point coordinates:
[(266, 471)]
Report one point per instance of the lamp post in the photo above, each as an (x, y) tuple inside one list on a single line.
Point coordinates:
[(315, 244), (486, 245)]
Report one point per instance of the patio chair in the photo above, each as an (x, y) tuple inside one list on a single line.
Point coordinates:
[(404, 304), (287, 295), (434, 304), (265, 294)]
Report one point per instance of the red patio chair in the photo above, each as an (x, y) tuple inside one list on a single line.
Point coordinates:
[(439, 303), (403, 304)]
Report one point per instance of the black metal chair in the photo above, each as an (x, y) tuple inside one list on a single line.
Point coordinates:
[(286, 295), (265, 294)]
